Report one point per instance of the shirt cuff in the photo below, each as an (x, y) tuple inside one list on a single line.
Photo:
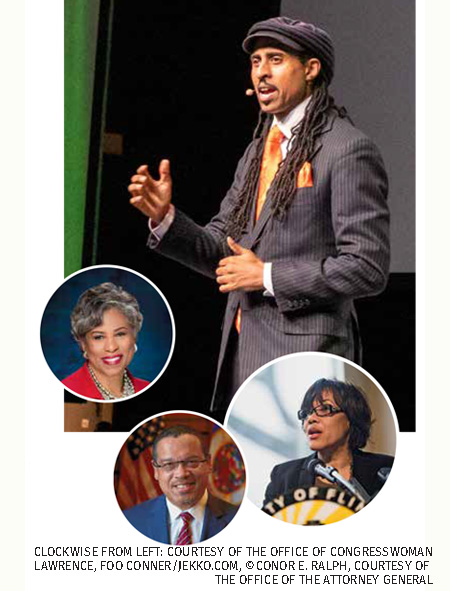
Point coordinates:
[(267, 280), (158, 231)]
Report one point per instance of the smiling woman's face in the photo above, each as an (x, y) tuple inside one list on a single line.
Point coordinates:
[(327, 433), (110, 346)]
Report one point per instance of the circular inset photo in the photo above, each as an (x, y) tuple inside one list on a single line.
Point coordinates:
[(107, 333), (179, 478), (319, 437)]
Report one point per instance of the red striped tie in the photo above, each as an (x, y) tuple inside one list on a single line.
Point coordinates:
[(185, 535)]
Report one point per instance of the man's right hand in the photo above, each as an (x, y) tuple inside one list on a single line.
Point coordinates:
[(151, 196)]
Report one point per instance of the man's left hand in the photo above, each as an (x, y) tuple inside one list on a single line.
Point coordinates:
[(244, 270)]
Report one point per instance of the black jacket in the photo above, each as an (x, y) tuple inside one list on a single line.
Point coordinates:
[(294, 474)]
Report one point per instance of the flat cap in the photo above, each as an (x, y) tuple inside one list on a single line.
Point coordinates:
[(298, 36)]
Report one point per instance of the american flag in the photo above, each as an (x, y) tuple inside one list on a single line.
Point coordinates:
[(134, 480)]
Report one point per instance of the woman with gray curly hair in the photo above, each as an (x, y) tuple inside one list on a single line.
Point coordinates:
[(105, 323)]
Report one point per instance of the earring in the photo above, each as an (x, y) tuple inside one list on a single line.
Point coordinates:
[(135, 347), (85, 355)]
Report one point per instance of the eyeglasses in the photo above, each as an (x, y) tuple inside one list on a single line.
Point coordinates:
[(172, 466), (321, 410)]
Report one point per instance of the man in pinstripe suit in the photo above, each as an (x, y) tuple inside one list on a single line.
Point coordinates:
[(292, 257)]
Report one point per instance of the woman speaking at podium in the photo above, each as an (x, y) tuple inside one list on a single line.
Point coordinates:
[(337, 420)]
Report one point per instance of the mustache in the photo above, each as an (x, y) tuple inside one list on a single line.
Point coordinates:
[(186, 480), (264, 84)]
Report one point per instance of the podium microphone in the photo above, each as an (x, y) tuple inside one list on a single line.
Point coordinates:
[(383, 473), (316, 467)]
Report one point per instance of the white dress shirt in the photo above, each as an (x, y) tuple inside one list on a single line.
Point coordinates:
[(286, 125), (196, 525)]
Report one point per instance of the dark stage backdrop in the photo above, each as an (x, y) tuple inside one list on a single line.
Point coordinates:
[(176, 90)]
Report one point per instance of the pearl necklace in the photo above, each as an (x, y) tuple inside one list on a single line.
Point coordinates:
[(127, 386)]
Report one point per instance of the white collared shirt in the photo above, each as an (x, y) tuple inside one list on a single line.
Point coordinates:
[(176, 522), (287, 124)]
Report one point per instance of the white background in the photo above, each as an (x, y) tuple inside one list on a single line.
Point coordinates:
[(65, 496)]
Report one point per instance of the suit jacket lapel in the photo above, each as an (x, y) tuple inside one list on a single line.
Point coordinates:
[(305, 478), (261, 222), (213, 514), (208, 523), (159, 520)]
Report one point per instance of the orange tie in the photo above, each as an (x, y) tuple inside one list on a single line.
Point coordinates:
[(271, 159)]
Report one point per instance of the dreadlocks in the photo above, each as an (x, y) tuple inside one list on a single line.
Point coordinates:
[(301, 150)]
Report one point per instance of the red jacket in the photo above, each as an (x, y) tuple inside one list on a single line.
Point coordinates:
[(82, 383)]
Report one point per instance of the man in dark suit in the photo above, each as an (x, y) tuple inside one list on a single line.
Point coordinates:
[(302, 232), (186, 513)]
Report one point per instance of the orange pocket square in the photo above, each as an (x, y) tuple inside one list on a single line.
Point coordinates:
[(304, 178)]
